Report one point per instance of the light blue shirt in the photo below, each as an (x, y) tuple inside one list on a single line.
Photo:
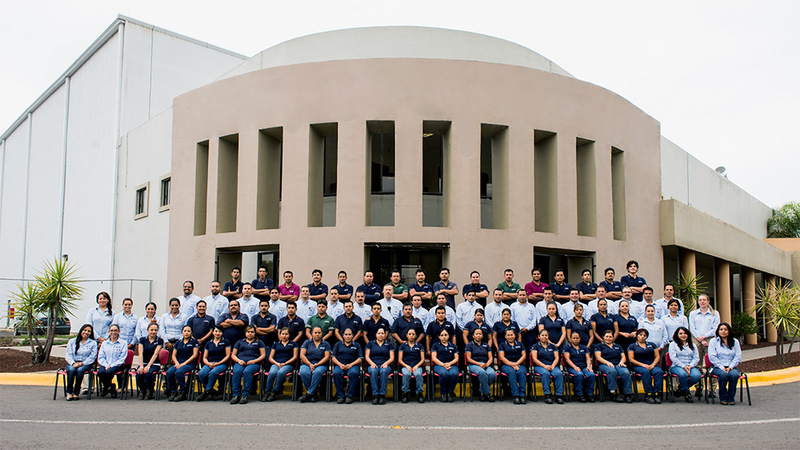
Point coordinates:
[(278, 307), (683, 357), (721, 356), (127, 327), (171, 327), (672, 323), (493, 312), (525, 315), (613, 308), (541, 310), (421, 314), (465, 313), (335, 310), (189, 304), (112, 353), (662, 307), (87, 352), (703, 325), (250, 306), (657, 331), (364, 311), (391, 310), (100, 321), (568, 310), (141, 328), (217, 306), (306, 309), (637, 309)]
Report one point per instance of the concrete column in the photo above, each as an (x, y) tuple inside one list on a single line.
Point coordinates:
[(688, 266), (772, 332), (749, 299), (723, 297)]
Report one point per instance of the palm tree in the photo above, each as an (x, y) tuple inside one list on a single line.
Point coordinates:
[(779, 302), (785, 221), (59, 288), (689, 288), (26, 300)]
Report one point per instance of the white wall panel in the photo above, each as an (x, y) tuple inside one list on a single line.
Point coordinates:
[(12, 220), (136, 77)]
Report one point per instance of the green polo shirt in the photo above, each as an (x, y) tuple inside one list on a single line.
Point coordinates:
[(513, 289), (399, 288), (316, 321)]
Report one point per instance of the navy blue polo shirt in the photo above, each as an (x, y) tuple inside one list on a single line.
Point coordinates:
[(560, 289), (266, 322), (295, 325), (638, 282), (315, 353), (401, 326), (266, 284), (471, 326), (249, 351), (644, 355), (545, 354), (480, 287), (604, 323), (371, 327), (444, 353), (628, 325), (343, 322), (184, 350), (586, 288), (283, 353), (314, 289), (513, 352), (234, 334), (451, 299), (372, 293), (412, 354), (201, 325), (216, 352), (479, 353), (500, 328), (434, 328), (553, 327), (148, 348), (611, 354), (231, 286), (344, 290), (576, 355), (584, 330), (616, 286), (346, 354), (424, 289), (379, 354)]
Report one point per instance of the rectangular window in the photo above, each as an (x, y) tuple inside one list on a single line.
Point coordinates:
[(201, 189), (270, 167), (227, 183), (435, 150), (381, 151), (587, 186), (141, 201), (545, 181), (163, 199), (322, 174), (494, 176), (618, 192)]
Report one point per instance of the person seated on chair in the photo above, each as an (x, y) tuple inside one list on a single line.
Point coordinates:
[(411, 358), (725, 353), (248, 355), (684, 358), (478, 354), (444, 359), (81, 354), (578, 360), (149, 348), (347, 356), (111, 359), (314, 355), (645, 357), (379, 356), (184, 360), (611, 362), (216, 356), (512, 356), (545, 356), (282, 357)]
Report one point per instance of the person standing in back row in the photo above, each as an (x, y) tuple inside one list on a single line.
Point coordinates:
[(509, 287), (233, 288), (633, 281), (446, 287)]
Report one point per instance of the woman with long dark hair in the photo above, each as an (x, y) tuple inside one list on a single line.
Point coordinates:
[(725, 354), (100, 317), (81, 354), (684, 358)]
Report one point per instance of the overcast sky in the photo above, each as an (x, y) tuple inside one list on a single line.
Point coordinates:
[(722, 77)]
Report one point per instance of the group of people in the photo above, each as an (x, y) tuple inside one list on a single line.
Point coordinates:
[(609, 327)]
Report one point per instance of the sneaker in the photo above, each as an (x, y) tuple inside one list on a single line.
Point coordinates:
[(723, 402), (517, 401), (235, 400), (305, 398), (619, 398), (340, 401), (730, 402), (180, 397), (591, 399), (376, 400), (263, 397), (348, 401), (104, 392), (559, 400), (628, 399), (172, 396), (420, 398), (381, 400), (313, 398), (583, 399), (202, 396), (490, 398), (244, 400), (650, 400), (548, 400), (523, 400), (689, 399), (482, 398), (404, 398)]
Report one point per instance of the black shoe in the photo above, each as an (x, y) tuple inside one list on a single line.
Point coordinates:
[(313, 398), (180, 397), (583, 399), (104, 392), (172, 397), (548, 400), (517, 401), (490, 398), (404, 398), (244, 400), (340, 401), (202, 396), (482, 398), (150, 395), (420, 398), (305, 398), (628, 399), (591, 399), (523, 400), (650, 400), (376, 400), (381, 400), (559, 400), (235, 400), (348, 401), (657, 398), (689, 399), (618, 398), (272, 396)]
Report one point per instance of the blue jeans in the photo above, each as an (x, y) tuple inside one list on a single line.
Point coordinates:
[(312, 381), (147, 380), (379, 379), (517, 379), (447, 378), (277, 377), (209, 377), (558, 379), (486, 377), (352, 381), (105, 376), (727, 383), (583, 381), (178, 376), (417, 377), (652, 380), (243, 375), (686, 380), (75, 378), (617, 372)]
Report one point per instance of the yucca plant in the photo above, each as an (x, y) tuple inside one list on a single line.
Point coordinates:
[(59, 289), (779, 303), (689, 288), (26, 306), (785, 221)]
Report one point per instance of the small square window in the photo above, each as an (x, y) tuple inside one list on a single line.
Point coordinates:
[(163, 200), (141, 201)]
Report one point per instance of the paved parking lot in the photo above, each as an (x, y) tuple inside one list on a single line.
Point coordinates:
[(31, 419)]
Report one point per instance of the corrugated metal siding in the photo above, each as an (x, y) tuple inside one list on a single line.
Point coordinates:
[(12, 222), (135, 77)]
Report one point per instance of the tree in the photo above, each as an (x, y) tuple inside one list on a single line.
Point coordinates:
[(785, 221), (53, 295), (779, 302), (689, 289)]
